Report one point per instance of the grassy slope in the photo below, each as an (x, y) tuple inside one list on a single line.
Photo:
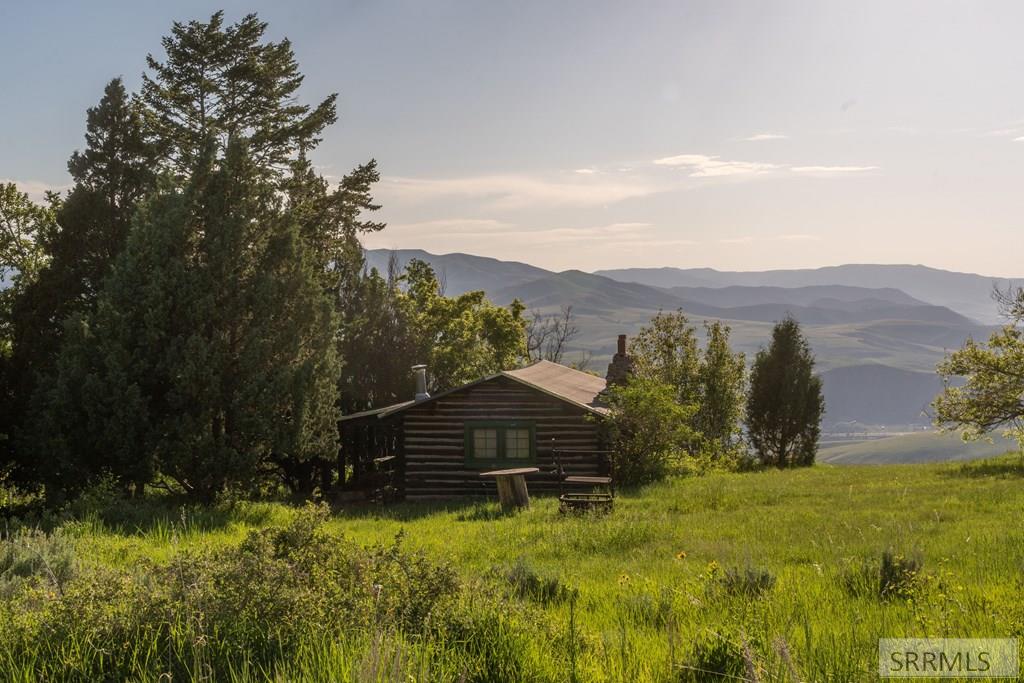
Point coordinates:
[(913, 448), (640, 606)]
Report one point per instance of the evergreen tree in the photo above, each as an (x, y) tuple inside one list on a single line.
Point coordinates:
[(376, 343), (216, 337), (111, 176), (219, 83), (785, 403), (23, 227)]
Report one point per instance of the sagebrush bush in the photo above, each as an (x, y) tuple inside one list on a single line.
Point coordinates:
[(526, 582), (211, 610), (750, 582), (714, 658), (29, 554)]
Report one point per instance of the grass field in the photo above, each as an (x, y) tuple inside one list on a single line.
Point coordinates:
[(766, 576)]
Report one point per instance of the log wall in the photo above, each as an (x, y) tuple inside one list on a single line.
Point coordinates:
[(434, 456)]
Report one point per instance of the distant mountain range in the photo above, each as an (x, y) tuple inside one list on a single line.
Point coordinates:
[(966, 293), (877, 330)]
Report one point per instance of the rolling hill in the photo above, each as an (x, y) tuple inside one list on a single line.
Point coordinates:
[(876, 346), (739, 295), (913, 448), (461, 272)]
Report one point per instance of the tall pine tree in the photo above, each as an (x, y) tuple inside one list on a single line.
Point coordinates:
[(219, 83)]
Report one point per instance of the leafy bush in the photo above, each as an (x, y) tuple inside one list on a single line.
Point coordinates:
[(648, 430), (898, 576)]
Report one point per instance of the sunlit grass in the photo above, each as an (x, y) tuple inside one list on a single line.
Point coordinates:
[(647, 577)]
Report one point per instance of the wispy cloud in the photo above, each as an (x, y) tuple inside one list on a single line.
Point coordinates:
[(562, 235), (450, 226), (831, 170), (761, 137), (705, 166), (494, 236), (516, 191), (789, 237), (1019, 139), (798, 237), (585, 171)]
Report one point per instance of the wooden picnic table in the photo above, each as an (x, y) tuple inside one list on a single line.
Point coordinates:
[(511, 483)]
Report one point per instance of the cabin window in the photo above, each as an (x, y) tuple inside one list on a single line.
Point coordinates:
[(485, 443), (497, 443), (517, 443)]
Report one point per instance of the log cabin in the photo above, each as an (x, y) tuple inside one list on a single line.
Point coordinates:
[(437, 446)]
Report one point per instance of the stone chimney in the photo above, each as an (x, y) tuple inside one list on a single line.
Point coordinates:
[(420, 371), (621, 366)]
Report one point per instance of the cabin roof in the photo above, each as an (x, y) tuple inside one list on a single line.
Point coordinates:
[(564, 383)]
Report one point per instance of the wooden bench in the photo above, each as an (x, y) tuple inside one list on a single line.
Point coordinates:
[(576, 501)]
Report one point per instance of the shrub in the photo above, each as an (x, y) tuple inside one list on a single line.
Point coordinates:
[(30, 555), (255, 603), (714, 657), (749, 582), (527, 583), (648, 430), (898, 576)]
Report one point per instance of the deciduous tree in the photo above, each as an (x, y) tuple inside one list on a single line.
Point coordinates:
[(722, 379), (992, 396), (666, 351)]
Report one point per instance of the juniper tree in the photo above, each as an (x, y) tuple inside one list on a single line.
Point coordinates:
[(785, 403), (91, 226), (213, 343)]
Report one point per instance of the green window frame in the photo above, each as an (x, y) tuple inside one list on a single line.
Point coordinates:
[(502, 443)]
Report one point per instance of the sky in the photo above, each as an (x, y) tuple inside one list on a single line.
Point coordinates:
[(589, 135)]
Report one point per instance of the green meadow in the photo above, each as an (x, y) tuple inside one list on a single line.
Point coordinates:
[(766, 576)]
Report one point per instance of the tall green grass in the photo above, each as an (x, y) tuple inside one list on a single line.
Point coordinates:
[(765, 576)]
